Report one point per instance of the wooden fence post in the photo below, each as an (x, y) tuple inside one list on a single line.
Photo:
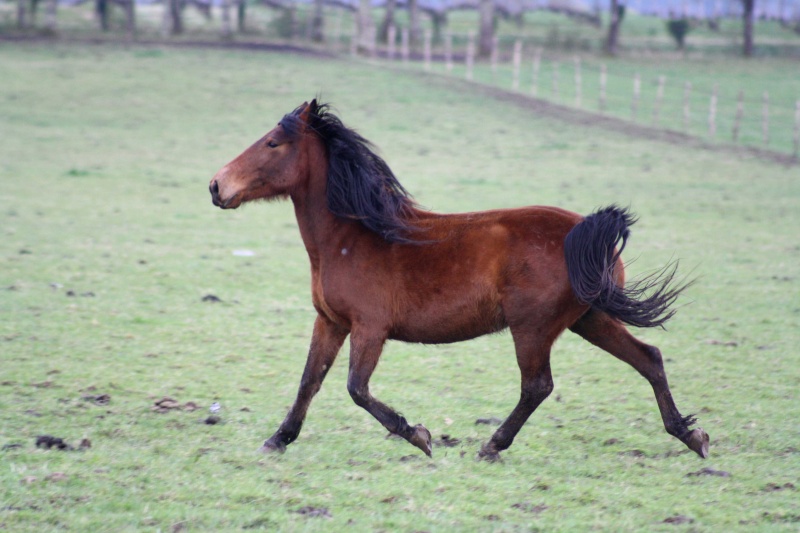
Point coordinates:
[(578, 82), (494, 54), (796, 128), (448, 52), (603, 77), (354, 41), (517, 62), (687, 91), (537, 62), (470, 56), (765, 119), (556, 68), (712, 113), (737, 122), (427, 49), (337, 30), (637, 89), (391, 41), (659, 98)]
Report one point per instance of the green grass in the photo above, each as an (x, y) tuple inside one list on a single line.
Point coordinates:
[(104, 163)]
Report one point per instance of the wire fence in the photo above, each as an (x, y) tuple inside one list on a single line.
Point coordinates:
[(717, 111)]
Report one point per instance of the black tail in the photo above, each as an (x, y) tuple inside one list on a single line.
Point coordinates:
[(590, 250)]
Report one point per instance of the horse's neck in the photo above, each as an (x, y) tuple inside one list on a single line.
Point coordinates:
[(319, 228)]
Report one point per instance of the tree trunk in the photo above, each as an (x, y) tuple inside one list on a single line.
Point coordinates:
[(241, 15), (318, 22), (227, 30), (414, 28), (486, 34), (749, 9), (439, 21), (613, 29), (22, 14), (51, 12), (172, 22), (365, 25), (102, 8), (130, 19), (388, 20)]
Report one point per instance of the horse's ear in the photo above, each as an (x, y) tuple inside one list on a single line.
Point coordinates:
[(306, 110)]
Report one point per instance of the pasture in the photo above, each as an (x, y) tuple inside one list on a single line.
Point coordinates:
[(110, 245)]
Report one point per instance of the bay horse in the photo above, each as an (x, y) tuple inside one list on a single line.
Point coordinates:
[(383, 268)]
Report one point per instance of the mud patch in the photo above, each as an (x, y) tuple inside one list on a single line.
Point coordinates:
[(530, 508), (709, 472), (678, 519), (314, 512), (447, 441)]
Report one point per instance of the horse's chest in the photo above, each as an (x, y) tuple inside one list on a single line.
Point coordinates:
[(326, 302)]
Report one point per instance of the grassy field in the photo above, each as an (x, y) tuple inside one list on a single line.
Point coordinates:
[(110, 243)]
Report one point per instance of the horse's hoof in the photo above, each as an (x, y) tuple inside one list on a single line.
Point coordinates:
[(698, 442), (271, 446), (488, 453), (421, 439)]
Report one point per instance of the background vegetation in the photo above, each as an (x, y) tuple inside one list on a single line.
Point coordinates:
[(110, 243)]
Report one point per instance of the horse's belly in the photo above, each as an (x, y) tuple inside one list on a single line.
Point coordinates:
[(447, 323)]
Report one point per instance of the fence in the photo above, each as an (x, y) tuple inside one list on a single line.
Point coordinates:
[(728, 114)]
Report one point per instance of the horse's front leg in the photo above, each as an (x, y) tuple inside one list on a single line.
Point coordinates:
[(365, 350), (325, 344)]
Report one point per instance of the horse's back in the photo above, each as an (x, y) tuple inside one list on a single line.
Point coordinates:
[(478, 271)]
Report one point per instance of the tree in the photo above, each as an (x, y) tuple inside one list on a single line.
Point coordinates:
[(317, 23), (388, 20), (414, 28), (172, 22), (486, 34), (749, 9), (617, 14), (365, 25)]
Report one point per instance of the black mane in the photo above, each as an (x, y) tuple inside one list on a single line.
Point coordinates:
[(361, 186)]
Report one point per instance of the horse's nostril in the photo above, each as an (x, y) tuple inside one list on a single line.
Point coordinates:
[(214, 188)]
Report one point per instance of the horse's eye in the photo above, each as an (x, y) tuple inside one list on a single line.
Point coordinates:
[(272, 144)]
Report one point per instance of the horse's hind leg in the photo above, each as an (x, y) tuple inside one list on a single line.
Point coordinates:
[(610, 335), (326, 341), (365, 350), (533, 358)]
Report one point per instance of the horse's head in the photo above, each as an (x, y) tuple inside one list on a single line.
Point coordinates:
[(272, 167)]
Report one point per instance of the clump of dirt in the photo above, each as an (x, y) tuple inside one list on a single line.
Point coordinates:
[(447, 441), (48, 441), (167, 404), (314, 512), (528, 507), (678, 519), (491, 421), (774, 487), (709, 472), (99, 399)]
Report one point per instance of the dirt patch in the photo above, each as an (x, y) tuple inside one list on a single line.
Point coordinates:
[(528, 507), (314, 512), (709, 472), (678, 519), (447, 441)]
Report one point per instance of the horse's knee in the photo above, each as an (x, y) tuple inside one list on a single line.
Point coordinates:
[(654, 354), (538, 388), (359, 392)]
